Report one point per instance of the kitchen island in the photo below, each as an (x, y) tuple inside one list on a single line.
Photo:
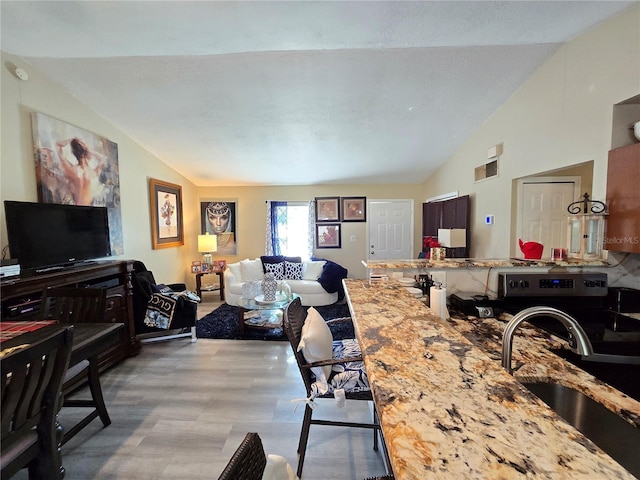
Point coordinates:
[(425, 263), (449, 410)]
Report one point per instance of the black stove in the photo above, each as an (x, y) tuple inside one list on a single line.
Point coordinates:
[(584, 296)]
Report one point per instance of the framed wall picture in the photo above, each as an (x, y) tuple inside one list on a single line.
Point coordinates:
[(165, 200), (218, 217), (222, 264), (328, 235), (354, 209), (327, 209)]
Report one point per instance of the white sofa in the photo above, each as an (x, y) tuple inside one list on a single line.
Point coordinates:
[(310, 291)]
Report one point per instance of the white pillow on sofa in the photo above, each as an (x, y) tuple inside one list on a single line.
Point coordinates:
[(251, 270), (234, 268), (316, 343), (312, 270), (278, 468)]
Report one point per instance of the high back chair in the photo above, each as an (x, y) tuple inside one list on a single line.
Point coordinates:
[(293, 320), (248, 462), (31, 383), (68, 306)]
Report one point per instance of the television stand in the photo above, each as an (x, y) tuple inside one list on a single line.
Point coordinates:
[(20, 299)]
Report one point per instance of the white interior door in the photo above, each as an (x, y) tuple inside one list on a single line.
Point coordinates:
[(390, 233), (543, 213)]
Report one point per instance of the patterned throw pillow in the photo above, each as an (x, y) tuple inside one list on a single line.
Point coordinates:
[(292, 271), (276, 268)]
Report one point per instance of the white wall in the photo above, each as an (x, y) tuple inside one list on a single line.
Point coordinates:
[(561, 116), (17, 168)]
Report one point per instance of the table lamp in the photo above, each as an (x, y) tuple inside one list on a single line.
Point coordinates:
[(452, 238), (207, 244)]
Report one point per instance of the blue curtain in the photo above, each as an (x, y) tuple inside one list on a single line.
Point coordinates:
[(278, 215)]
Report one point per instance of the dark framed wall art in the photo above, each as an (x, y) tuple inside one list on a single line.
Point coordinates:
[(354, 209), (327, 209), (165, 199), (328, 235), (218, 217)]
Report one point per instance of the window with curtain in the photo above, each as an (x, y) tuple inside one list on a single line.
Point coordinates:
[(289, 229)]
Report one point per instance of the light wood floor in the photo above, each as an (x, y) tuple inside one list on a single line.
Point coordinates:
[(179, 410)]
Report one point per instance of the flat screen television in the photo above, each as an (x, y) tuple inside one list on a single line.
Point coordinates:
[(45, 235)]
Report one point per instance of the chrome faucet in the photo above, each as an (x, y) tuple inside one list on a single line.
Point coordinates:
[(578, 340)]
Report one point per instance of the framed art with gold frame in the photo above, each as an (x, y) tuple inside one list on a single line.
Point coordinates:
[(165, 200)]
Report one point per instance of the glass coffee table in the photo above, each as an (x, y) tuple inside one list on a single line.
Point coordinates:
[(254, 313)]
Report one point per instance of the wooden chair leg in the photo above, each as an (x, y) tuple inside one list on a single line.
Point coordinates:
[(97, 402), (96, 392)]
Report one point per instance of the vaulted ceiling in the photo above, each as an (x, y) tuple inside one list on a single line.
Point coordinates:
[(295, 92)]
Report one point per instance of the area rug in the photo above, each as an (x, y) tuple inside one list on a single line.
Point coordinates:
[(222, 323)]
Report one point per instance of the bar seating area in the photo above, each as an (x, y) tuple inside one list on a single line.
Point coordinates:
[(321, 380)]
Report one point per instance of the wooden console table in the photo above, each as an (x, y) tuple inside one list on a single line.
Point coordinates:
[(219, 272), (20, 300)]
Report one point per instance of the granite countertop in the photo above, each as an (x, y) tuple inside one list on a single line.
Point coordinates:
[(449, 410), (478, 263)]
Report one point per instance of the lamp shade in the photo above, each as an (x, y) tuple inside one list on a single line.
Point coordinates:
[(452, 237), (207, 243)]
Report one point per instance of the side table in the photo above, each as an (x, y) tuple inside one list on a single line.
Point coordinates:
[(219, 272)]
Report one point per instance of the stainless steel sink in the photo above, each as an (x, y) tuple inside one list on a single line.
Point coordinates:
[(611, 433)]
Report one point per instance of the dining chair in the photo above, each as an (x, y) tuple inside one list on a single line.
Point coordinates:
[(248, 462), (31, 386), (70, 305), (293, 321)]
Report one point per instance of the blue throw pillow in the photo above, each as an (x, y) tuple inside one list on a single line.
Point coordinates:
[(331, 277), (266, 259), (276, 268), (293, 270)]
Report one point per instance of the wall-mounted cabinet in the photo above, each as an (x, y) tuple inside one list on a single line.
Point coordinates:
[(622, 230)]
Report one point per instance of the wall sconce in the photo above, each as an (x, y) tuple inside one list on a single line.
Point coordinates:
[(585, 228), (452, 238), (207, 244)]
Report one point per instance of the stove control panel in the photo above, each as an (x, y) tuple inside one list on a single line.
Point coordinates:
[(552, 285)]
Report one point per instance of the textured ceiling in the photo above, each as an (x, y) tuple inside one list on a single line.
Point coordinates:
[(265, 93)]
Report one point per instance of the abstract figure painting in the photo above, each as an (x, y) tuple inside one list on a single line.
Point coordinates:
[(77, 167)]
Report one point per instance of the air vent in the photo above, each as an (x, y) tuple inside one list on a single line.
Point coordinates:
[(487, 170)]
